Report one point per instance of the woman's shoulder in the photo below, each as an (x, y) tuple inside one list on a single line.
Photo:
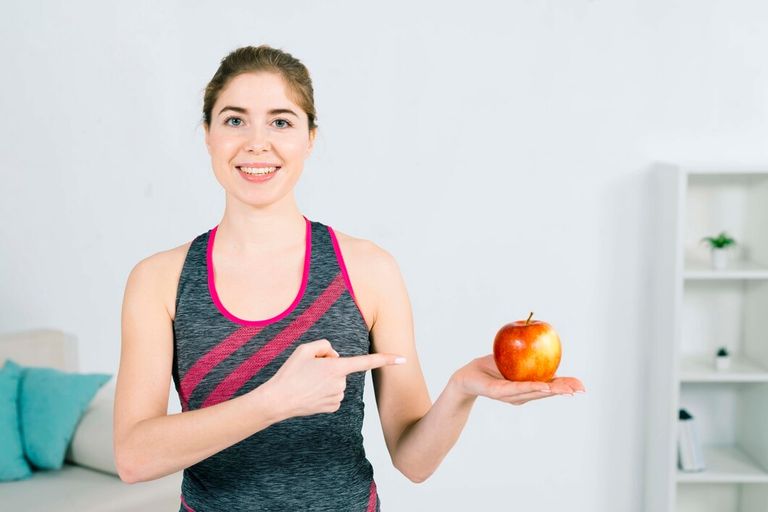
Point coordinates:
[(165, 268), (371, 269), (168, 259), (365, 252), (360, 256)]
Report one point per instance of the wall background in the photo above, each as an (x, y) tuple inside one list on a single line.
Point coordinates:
[(499, 152)]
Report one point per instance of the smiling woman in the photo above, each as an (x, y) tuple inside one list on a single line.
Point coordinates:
[(259, 101), (266, 339)]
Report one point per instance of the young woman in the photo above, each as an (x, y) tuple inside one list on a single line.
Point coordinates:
[(267, 324)]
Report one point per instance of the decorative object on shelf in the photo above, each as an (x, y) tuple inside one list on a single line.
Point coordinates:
[(719, 246), (722, 359), (690, 455)]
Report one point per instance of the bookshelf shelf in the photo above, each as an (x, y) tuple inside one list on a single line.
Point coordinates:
[(700, 369), (737, 270), (726, 464)]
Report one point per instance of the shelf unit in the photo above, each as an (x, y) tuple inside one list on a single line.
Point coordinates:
[(695, 310)]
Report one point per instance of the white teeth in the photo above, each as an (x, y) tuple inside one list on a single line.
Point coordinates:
[(258, 170)]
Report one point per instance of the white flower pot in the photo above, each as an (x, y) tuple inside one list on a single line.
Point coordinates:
[(719, 258), (722, 363)]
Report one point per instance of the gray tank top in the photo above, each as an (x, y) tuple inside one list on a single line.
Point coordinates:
[(314, 463)]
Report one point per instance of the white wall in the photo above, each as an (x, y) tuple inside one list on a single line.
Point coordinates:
[(500, 152)]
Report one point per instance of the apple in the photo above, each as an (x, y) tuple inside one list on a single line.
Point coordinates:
[(526, 350)]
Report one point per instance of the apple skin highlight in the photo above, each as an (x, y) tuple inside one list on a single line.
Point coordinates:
[(527, 351)]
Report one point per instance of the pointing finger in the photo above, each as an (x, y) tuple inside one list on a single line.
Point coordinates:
[(366, 362)]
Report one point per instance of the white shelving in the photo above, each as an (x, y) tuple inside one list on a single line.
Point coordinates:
[(737, 270), (742, 369), (696, 310), (726, 464)]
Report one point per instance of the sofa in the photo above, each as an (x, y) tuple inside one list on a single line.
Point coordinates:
[(88, 480)]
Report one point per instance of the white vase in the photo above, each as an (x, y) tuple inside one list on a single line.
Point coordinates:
[(719, 258), (722, 363)]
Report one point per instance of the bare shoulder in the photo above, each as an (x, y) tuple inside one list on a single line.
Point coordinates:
[(365, 253), (165, 268), (368, 266)]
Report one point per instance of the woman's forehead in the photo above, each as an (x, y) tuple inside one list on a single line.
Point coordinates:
[(257, 90)]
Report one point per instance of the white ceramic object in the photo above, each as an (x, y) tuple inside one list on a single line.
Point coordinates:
[(719, 258), (722, 363)]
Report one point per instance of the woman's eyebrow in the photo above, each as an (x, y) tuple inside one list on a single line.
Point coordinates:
[(272, 112)]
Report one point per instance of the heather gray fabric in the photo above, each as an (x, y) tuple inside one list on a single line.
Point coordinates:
[(314, 463)]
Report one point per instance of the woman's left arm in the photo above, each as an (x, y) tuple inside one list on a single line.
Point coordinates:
[(418, 433)]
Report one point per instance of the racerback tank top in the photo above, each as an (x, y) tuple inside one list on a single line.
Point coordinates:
[(313, 463)]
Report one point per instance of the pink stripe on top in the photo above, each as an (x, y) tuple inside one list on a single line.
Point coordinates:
[(372, 498), (343, 266), (183, 502), (302, 288), (212, 358)]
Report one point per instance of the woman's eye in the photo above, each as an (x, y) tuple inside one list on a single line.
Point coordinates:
[(233, 118), (239, 122), (287, 124)]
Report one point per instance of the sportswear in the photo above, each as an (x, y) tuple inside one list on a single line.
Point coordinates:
[(313, 463)]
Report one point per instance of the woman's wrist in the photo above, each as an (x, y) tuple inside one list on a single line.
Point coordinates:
[(267, 401), (457, 389)]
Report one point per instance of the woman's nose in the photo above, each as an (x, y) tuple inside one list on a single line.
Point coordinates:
[(258, 139)]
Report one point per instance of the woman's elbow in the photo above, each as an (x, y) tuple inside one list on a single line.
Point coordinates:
[(125, 474), (125, 468), (414, 477)]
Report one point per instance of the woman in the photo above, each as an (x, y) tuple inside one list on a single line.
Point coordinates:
[(272, 408)]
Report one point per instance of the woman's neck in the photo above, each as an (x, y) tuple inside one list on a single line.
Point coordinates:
[(247, 231)]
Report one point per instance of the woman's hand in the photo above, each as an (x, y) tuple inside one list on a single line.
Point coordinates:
[(481, 377), (313, 379)]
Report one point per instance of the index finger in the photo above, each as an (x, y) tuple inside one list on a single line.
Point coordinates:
[(352, 364)]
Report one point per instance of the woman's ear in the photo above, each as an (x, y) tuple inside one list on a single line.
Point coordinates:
[(207, 134), (312, 135)]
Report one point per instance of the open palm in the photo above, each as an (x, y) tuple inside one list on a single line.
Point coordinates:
[(481, 377)]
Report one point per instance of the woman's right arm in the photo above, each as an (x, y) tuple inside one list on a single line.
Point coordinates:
[(149, 443)]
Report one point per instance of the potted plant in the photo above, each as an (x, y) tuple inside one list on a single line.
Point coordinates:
[(722, 359), (719, 246)]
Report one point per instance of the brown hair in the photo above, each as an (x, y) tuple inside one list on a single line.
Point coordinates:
[(252, 59)]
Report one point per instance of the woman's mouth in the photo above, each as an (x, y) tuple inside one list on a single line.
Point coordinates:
[(258, 174)]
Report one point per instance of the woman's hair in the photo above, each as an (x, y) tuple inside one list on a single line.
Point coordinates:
[(252, 59)]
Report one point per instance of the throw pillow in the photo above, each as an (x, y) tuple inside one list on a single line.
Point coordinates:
[(51, 403), (13, 465)]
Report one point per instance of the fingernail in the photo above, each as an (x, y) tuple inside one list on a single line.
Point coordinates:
[(399, 360), (580, 391)]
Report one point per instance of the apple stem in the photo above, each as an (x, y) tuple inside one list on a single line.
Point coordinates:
[(529, 318)]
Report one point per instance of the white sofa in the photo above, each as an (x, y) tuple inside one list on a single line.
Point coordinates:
[(88, 482)]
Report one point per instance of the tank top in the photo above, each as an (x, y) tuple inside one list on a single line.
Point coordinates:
[(313, 463)]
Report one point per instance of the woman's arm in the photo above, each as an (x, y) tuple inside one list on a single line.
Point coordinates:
[(423, 445), (419, 434), (148, 443)]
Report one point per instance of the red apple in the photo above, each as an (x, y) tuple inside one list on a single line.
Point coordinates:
[(527, 350)]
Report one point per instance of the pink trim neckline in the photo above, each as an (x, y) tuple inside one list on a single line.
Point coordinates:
[(223, 310)]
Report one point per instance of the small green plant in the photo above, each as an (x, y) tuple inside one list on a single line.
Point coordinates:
[(722, 352), (721, 241)]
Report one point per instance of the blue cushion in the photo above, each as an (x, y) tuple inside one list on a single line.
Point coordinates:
[(13, 465), (51, 403)]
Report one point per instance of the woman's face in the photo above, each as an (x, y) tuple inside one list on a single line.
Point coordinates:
[(254, 122)]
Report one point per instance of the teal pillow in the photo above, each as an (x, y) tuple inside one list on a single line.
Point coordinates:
[(51, 403), (13, 465)]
